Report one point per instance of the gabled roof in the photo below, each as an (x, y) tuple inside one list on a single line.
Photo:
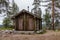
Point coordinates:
[(26, 12)]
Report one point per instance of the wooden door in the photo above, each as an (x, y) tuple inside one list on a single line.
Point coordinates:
[(31, 24)]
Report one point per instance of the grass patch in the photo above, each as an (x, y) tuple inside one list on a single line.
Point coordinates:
[(3, 28), (57, 30)]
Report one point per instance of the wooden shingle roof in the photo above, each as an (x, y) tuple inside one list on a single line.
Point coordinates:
[(26, 12)]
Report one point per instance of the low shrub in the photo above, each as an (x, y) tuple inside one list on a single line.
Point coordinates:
[(22, 33), (41, 32)]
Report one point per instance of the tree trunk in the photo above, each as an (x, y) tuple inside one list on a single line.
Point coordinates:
[(53, 14)]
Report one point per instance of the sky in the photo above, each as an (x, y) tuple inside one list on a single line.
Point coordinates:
[(23, 4)]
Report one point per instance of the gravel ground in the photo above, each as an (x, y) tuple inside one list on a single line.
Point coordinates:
[(50, 35)]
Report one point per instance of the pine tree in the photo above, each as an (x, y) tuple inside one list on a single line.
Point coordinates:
[(55, 12), (14, 9), (5, 4), (47, 19), (11, 10)]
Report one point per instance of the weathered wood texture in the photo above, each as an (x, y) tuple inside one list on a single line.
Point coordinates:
[(27, 22)]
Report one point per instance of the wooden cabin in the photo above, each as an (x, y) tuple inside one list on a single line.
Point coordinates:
[(27, 21)]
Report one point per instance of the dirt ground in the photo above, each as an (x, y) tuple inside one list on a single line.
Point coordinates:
[(50, 35)]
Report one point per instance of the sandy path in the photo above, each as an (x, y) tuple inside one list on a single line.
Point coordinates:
[(50, 35)]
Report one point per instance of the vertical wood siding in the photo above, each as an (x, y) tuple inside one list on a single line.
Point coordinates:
[(31, 24), (21, 24), (26, 22)]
